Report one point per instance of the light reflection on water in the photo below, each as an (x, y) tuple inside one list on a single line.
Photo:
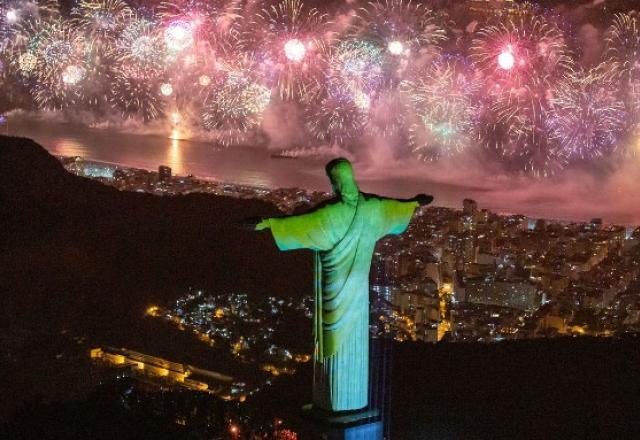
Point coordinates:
[(69, 147), (174, 157), (242, 165)]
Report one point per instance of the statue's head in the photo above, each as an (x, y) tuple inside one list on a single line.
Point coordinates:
[(344, 184)]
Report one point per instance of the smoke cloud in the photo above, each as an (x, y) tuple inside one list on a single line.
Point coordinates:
[(576, 194)]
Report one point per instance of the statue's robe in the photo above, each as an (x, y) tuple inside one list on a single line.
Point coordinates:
[(343, 235)]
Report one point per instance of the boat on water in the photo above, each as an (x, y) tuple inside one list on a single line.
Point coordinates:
[(283, 156)]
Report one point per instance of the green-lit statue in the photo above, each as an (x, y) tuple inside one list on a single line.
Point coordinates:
[(343, 232)]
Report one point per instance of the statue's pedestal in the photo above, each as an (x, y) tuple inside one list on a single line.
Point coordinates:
[(358, 425)]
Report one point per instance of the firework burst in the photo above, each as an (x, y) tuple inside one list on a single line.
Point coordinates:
[(288, 36), (515, 126), (356, 66), (140, 47), (139, 70), (445, 109), (209, 18), (384, 68), (520, 60), (587, 117), (17, 19), (401, 28), (521, 51), (337, 118), (236, 101), (133, 93), (179, 35), (623, 44), (102, 19), (15, 12), (101, 22), (622, 53), (10, 18), (55, 56), (405, 34)]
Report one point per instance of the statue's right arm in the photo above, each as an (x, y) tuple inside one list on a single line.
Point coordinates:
[(310, 219), (253, 224), (300, 231)]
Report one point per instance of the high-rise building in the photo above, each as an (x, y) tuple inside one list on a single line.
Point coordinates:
[(459, 288), (406, 264), (470, 249), (422, 307), (378, 274), (164, 173), (469, 207), (433, 270)]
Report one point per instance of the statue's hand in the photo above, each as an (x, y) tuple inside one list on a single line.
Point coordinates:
[(253, 224), (264, 224), (424, 199)]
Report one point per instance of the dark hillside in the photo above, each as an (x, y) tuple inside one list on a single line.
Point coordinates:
[(78, 258), (66, 239), (564, 388)]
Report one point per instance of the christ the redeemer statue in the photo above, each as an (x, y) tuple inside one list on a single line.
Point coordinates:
[(343, 232)]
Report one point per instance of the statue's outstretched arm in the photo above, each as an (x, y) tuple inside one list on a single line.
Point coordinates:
[(310, 230), (262, 225), (253, 224), (397, 213), (420, 199)]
